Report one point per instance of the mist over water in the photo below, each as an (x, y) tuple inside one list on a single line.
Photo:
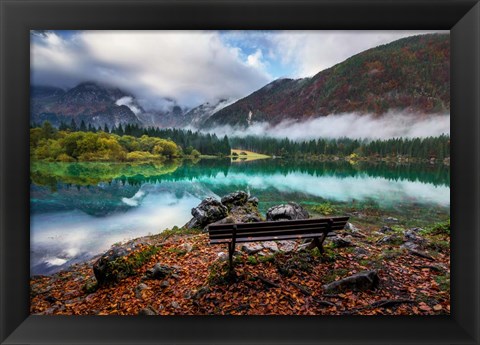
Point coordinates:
[(356, 126)]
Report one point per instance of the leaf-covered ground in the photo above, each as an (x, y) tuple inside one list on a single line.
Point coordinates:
[(279, 283)]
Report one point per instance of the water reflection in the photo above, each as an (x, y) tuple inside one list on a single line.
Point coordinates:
[(81, 209)]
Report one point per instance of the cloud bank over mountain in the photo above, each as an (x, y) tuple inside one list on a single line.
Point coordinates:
[(391, 125)]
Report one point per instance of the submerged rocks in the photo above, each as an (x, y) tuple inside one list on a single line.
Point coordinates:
[(207, 212), (362, 281), (290, 211)]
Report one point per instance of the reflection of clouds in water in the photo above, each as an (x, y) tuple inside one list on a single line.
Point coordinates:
[(59, 237), (342, 189), (134, 200)]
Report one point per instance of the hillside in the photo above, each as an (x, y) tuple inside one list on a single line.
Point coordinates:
[(88, 101), (410, 74)]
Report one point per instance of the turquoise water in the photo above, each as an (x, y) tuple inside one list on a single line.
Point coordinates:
[(80, 209)]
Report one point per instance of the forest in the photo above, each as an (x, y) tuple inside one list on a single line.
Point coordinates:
[(431, 147), (187, 140), (72, 143)]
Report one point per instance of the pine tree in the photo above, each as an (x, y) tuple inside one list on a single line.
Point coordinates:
[(73, 126), (83, 126)]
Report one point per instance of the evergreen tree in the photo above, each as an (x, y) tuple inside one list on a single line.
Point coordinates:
[(73, 126), (83, 127)]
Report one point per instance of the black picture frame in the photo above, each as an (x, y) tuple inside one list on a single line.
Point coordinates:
[(17, 17)]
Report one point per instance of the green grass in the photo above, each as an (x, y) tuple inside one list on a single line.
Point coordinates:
[(325, 208)]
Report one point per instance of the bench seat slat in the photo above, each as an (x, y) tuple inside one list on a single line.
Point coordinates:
[(266, 238), (271, 227), (252, 227), (269, 231), (216, 227)]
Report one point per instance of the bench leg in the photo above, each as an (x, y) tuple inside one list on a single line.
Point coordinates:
[(319, 242), (231, 250)]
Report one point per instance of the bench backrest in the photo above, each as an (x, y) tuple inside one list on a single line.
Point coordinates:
[(262, 231)]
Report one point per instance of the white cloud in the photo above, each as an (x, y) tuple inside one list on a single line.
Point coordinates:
[(392, 125), (190, 67), (128, 101)]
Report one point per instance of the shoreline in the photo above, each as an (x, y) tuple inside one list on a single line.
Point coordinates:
[(194, 275)]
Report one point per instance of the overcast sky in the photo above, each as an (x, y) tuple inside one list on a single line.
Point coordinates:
[(192, 67)]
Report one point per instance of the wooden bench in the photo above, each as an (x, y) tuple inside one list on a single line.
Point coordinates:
[(233, 233)]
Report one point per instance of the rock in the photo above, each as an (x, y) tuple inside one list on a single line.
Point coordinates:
[(358, 282), (186, 247), (356, 214), (350, 227), (303, 246), (253, 201), (138, 290), (226, 220), (200, 292), (340, 242), (271, 246), (290, 211), (159, 271), (286, 246), (251, 248), (390, 220), (207, 212), (148, 311), (237, 198), (391, 239), (360, 252), (412, 236), (222, 256), (106, 270), (250, 218), (385, 229), (175, 305), (165, 284), (410, 246)]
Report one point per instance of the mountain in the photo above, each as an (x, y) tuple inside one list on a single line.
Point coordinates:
[(411, 74), (196, 116), (88, 101)]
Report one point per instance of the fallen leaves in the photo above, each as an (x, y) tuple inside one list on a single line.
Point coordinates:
[(410, 284)]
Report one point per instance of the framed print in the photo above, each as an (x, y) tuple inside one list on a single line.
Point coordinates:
[(268, 172)]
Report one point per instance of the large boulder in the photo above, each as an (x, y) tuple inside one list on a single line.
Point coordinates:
[(237, 198), (290, 211), (207, 212), (109, 269), (358, 282)]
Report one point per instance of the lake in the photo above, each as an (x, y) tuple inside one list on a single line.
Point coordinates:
[(79, 210)]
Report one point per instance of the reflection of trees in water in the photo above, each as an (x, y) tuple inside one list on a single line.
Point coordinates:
[(426, 173), (84, 174)]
